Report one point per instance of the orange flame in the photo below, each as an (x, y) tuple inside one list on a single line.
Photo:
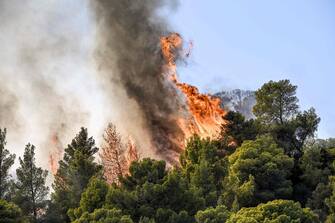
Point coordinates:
[(56, 153), (206, 115)]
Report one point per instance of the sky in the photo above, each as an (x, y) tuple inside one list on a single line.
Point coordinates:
[(243, 44)]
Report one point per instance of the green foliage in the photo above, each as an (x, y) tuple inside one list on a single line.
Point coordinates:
[(10, 213), (213, 215), (6, 161), (149, 191), (31, 190), (306, 124), (277, 211), (229, 179), (330, 201), (94, 196), (277, 113), (74, 173), (276, 102), (204, 164), (258, 172), (147, 170), (317, 165), (317, 201), (104, 216), (238, 128)]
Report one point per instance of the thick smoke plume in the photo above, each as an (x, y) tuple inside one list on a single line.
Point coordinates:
[(46, 84), (66, 64), (130, 61)]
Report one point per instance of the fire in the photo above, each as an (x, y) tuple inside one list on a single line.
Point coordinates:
[(206, 115), (55, 154)]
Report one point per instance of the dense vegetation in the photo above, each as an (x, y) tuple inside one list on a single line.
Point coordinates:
[(268, 169)]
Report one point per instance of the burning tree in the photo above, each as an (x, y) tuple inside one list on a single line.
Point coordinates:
[(116, 157)]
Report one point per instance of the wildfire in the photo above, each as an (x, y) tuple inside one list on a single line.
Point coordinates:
[(204, 117), (206, 114), (55, 154)]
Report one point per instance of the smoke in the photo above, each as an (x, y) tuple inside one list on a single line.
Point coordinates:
[(130, 62), (66, 64), (46, 86)]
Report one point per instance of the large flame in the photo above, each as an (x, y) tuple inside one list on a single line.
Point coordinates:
[(206, 115), (55, 154)]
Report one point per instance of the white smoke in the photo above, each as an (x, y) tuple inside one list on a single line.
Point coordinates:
[(49, 82)]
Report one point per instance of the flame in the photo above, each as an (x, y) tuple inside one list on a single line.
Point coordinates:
[(206, 114), (56, 153)]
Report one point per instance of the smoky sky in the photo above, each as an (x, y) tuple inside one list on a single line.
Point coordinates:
[(128, 54), (66, 64), (40, 66)]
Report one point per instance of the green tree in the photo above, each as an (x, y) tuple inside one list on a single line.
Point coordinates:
[(317, 201), (316, 165), (275, 211), (6, 161), (74, 173), (151, 191), (10, 213), (239, 128), (145, 171), (277, 112), (258, 172), (31, 188), (330, 201), (94, 197), (306, 124), (276, 102), (204, 165), (218, 214), (104, 215)]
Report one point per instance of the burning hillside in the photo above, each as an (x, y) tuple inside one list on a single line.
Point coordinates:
[(136, 69), (205, 114)]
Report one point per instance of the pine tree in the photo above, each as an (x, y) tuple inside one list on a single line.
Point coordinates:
[(74, 173), (6, 161), (31, 188), (113, 155)]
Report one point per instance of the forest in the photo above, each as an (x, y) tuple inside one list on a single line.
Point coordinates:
[(272, 168)]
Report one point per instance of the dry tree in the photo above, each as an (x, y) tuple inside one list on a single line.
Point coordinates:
[(116, 157)]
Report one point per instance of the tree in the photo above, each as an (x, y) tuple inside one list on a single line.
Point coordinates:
[(94, 197), (275, 211), (6, 161), (151, 191), (218, 214), (277, 112), (239, 128), (316, 165), (204, 165), (317, 201), (259, 171), (74, 173), (31, 188), (116, 156), (104, 215), (141, 172), (306, 125), (276, 102), (330, 201), (113, 155), (10, 213)]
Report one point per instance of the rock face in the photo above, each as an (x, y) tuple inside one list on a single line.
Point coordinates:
[(238, 100)]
